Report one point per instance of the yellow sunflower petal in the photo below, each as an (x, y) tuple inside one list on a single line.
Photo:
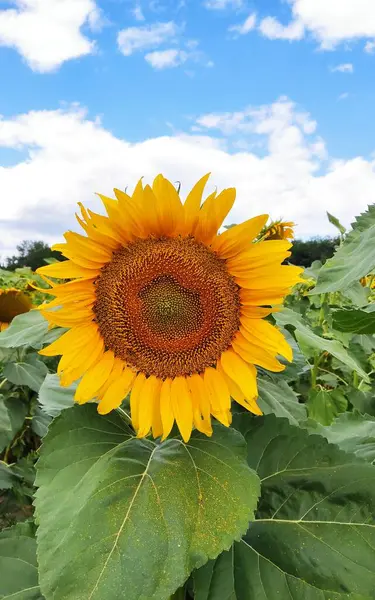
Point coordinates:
[(182, 406), (263, 333), (238, 238), (150, 397), (118, 369), (81, 335), (116, 392), (136, 399), (193, 203), (218, 390), (256, 355), (77, 364), (237, 394), (166, 410), (201, 404), (169, 206), (212, 215), (67, 270), (94, 378), (240, 372)]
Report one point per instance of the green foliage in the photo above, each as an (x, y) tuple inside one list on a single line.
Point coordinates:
[(324, 405), (18, 563), (305, 252), (313, 536), (334, 220), (31, 254), (355, 321), (353, 260), (278, 507), (154, 510)]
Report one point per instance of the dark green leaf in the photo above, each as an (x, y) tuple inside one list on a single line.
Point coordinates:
[(352, 261), (7, 477), (12, 417), (40, 422), (336, 223), (53, 397), (23, 373), (356, 321), (306, 337), (324, 405), (120, 515), (314, 536), (280, 399), (353, 433), (18, 564)]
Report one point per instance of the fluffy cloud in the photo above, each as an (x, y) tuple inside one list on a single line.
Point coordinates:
[(163, 59), (343, 68), (329, 21), (223, 4), (48, 32), (244, 28), (280, 166), (145, 37)]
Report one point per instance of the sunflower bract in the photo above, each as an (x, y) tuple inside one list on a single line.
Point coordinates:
[(165, 308)]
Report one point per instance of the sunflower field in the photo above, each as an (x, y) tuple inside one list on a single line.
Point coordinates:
[(183, 414)]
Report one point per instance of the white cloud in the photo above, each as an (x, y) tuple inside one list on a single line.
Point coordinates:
[(370, 47), (147, 36), (343, 68), (223, 4), (244, 28), (292, 177), (329, 21), (48, 32), (343, 96), (273, 30), (163, 59), (137, 13)]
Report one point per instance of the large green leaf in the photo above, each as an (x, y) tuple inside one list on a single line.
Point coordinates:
[(353, 260), (314, 535), (279, 399), (306, 337), (53, 397), (122, 517), (18, 564), (24, 373), (324, 405), (12, 416), (356, 321), (29, 330), (352, 432), (7, 477)]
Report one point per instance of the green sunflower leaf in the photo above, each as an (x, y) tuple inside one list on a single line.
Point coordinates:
[(314, 533), (121, 516), (279, 399), (324, 405), (53, 397), (18, 564), (353, 260), (355, 321), (352, 432), (12, 417), (24, 373)]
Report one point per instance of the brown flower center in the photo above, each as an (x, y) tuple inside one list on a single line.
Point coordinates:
[(167, 307)]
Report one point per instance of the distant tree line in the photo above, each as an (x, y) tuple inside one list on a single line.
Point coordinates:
[(30, 254), (304, 252), (33, 254)]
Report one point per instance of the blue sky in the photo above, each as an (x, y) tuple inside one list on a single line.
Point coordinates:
[(274, 97)]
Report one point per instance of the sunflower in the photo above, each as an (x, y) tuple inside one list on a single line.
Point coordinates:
[(368, 281), (13, 302), (278, 230), (161, 306)]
